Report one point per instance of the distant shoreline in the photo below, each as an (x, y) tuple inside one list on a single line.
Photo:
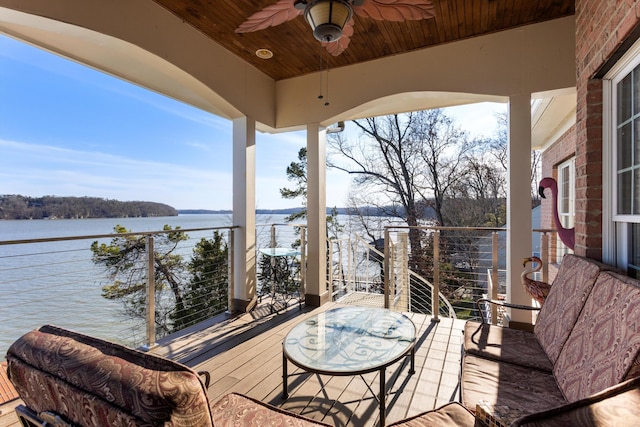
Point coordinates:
[(19, 207), (288, 211), (179, 212)]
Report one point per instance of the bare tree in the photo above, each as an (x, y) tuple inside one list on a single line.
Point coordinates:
[(444, 154), (401, 161), (500, 147), (479, 199), (536, 166), (499, 144), (404, 164)]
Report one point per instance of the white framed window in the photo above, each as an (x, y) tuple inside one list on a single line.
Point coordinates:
[(621, 163), (566, 199)]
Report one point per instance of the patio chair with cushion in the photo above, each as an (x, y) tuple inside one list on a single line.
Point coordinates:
[(69, 379)]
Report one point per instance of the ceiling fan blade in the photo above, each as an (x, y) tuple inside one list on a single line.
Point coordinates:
[(272, 15), (396, 10)]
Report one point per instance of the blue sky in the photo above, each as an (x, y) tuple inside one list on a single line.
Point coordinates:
[(68, 130)]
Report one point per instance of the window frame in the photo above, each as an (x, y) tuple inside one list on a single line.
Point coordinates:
[(616, 227), (567, 218), (569, 215)]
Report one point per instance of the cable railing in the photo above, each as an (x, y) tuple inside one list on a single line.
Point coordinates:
[(60, 280), (107, 292), (355, 267), (423, 300), (56, 280), (399, 271)]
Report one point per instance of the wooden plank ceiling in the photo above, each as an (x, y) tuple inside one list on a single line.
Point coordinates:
[(296, 52)]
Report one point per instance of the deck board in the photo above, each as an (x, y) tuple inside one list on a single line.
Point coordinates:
[(244, 354), (251, 364)]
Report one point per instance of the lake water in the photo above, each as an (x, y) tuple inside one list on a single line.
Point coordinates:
[(57, 283)]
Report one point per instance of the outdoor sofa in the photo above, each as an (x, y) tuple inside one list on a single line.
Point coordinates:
[(579, 367)]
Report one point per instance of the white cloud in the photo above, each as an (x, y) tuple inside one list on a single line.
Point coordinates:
[(36, 170), (477, 119), (200, 146)]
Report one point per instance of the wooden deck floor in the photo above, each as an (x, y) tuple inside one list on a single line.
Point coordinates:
[(244, 354)]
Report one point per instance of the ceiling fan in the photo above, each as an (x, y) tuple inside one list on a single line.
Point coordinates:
[(332, 20)]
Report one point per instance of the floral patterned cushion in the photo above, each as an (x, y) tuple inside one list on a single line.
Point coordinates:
[(604, 346), (507, 385), (91, 382), (568, 294), (617, 406), (233, 410), (505, 345), (449, 415)]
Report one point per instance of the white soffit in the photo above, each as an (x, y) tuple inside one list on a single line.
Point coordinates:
[(552, 114)]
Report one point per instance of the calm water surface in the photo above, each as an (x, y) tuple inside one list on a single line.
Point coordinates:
[(57, 283)]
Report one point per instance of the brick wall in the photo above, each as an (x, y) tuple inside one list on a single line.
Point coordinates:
[(601, 27)]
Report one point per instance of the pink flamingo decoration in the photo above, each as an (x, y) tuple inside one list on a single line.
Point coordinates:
[(567, 235), (537, 289)]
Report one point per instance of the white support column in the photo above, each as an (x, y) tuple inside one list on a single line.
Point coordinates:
[(519, 202), (317, 293), (244, 213)]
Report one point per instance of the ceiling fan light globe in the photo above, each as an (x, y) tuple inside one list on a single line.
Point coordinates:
[(327, 18), (327, 33)]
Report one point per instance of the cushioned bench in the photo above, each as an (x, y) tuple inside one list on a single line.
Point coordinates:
[(571, 287), (585, 346)]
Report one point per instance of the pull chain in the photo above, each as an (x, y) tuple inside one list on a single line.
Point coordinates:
[(326, 104), (320, 96)]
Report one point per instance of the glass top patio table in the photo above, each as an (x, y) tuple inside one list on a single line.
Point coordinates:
[(281, 293), (350, 341)]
